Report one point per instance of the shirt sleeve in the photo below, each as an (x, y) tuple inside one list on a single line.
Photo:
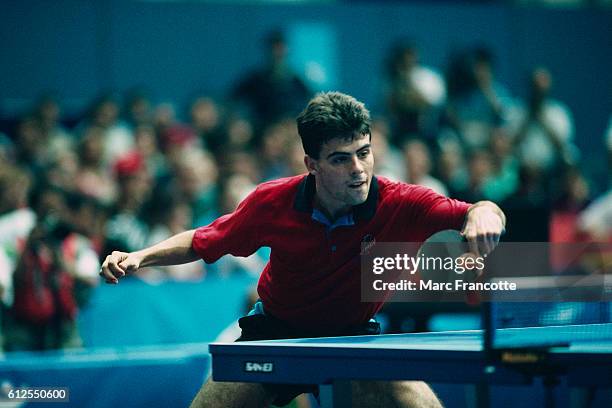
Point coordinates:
[(432, 212), (236, 233)]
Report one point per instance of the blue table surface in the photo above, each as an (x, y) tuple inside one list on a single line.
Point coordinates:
[(595, 338), (583, 353)]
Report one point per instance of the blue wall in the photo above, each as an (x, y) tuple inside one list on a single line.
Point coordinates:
[(178, 48), (99, 378), (135, 313)]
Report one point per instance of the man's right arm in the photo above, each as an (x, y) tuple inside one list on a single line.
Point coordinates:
[(173, 251)]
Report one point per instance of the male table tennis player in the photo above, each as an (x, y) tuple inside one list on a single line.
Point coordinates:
[(314, 225)]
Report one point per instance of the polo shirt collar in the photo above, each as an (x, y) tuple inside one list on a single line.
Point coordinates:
[(362, 212)]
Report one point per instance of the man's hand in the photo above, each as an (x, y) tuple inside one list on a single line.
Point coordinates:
[(176, 250), (118, 264), (485, 223)]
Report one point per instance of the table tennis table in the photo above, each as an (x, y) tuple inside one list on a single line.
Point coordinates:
[(455, 357)]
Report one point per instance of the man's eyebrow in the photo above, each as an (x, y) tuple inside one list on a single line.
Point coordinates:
[(333, 154)]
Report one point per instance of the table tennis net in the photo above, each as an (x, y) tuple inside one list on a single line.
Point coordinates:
[(515, 324)]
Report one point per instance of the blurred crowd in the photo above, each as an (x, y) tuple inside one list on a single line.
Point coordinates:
[(131, 172)]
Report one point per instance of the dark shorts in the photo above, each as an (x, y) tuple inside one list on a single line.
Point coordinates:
[(266, 327)]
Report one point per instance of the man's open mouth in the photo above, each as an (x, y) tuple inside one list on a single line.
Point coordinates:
[(357, 184)]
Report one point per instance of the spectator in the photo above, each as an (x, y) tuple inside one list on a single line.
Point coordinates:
[(240, 132), (195, 182), (94, 178), (164, 116), (504, 172), (477, 103), (177, 138), (117, 138), (56, 138), (415, 94), (573, 198), (596, 219), (146, 145), (89, 217), (206, 122), (7, 149), (608, 142), (575, 192), (276, 143), (452, 168), (565, 225), (545, 127), (532, 189), (62, 170), (296, 158), (82, 248), (127, 228), (480, 167), (55, 261), (30, 148), (388, 161), (16, 222), (418, 167), (243, 163), (138, 110), (274, 91)]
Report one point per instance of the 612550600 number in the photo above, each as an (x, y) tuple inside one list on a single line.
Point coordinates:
[(36, 394)]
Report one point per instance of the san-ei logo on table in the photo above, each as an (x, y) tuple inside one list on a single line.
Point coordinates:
[(258, 367)]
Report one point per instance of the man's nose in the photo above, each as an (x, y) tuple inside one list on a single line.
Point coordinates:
[(357, 166)]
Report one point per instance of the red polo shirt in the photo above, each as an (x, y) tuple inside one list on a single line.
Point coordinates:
[(312, 280)]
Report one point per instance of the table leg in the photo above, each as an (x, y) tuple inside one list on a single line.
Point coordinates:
[(478, 395), (582, 397), (335, 395)]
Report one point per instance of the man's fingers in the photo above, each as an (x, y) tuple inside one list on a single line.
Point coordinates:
[(494, 240), (112, 281), (472, 240), (487, 243), (111, 269), (107, 275), (484, 227), (487, 246), (127, 267), (116, 270), (482, 244), (483, 236), (104, 271)]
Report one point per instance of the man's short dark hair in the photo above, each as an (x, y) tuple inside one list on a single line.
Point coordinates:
[(331, 115)]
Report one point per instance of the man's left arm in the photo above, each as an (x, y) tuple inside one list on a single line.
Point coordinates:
[(484, 224)]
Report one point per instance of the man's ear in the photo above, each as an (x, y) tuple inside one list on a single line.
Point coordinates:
[(311, 164)]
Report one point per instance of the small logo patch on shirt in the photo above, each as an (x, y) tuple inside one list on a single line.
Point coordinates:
[(367, 242)]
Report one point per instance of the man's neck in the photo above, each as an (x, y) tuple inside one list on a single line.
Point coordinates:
[(329, 211)]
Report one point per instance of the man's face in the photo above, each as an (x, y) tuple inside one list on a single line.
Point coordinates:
[(343, 173)]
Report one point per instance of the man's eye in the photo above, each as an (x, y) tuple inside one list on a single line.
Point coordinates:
[(364, 153), (339, 160)]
